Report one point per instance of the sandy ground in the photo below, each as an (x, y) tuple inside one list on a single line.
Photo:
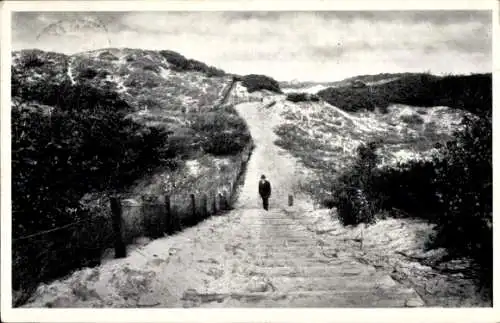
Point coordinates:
[(245, 258)]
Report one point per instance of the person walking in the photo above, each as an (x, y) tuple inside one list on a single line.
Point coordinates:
[(264, 191)]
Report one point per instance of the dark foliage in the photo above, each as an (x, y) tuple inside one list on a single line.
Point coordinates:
[(453, 191), (471, 93), (85, 144), (108, 56), (408, 187), (31, 61), (465, 187), (351, 192), (254, 82), (88, 73), (413, 119), (181, 63), (302, 97), (223, 134)]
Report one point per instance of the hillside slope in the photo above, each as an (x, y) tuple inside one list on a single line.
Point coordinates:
[(152, 117)]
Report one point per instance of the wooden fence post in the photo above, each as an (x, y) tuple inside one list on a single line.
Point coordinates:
[(145, 215), (206, 213), (168, 217), (175, 218), (290, 199), (227, 196), (221, 201), (193, 206), (215, 203), (116, 211)]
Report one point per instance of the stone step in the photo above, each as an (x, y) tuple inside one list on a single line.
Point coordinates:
[(299, 258), (278, 246), (295, 250), (363, 281), (293, 261), (384, 297), (342, 271)]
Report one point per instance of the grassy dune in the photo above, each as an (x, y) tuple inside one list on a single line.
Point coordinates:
[(109, 121)]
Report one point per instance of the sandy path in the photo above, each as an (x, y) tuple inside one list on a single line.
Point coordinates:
[(278, 166), (246, 258)]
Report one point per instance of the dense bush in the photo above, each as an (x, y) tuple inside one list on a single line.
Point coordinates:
[(88, 73), (350, 191), (108, 56), (254, 82), (176, 59), (471, 92), (412, 119), (222, 133), (302, 97), (465, 183), (454, 191), (85, 144), (32, 60), (181, 63), (408, 187), (296, 97)]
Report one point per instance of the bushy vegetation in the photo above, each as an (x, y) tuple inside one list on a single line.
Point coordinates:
[(88, 73), (302, 97), (351, 189), (461, 92), (254, 82), (454, 191), (222, 133), (32, 60), (181, 63), (412, 119), (78, 142)]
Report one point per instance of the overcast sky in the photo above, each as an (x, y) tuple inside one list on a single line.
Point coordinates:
[(319, 46)]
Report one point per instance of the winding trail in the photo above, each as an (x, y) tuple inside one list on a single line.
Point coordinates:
[(245, 258)]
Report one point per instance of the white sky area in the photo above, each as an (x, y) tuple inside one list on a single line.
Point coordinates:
[(306, 46)]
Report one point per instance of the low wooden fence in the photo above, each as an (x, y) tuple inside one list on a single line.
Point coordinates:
[(156, 216)]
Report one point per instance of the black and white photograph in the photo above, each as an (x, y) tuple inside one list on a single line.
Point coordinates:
[(245, 159)]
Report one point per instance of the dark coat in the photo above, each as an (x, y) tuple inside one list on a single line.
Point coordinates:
[(264, 188)]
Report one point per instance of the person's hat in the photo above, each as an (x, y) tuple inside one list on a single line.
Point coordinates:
[(263, 177)]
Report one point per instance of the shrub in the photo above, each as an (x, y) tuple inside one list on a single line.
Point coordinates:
[(226, 143), (297, 97), (212, 71), (408, 187), (88, 73), (454, 191), (108, 56), (412, 119), (177, 60), (302, 97), (32, 60), (85, 145), (254, 82), (465, 181), (470, 92), (103, 73), (353, 204), (223, 133), (181, 63)]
